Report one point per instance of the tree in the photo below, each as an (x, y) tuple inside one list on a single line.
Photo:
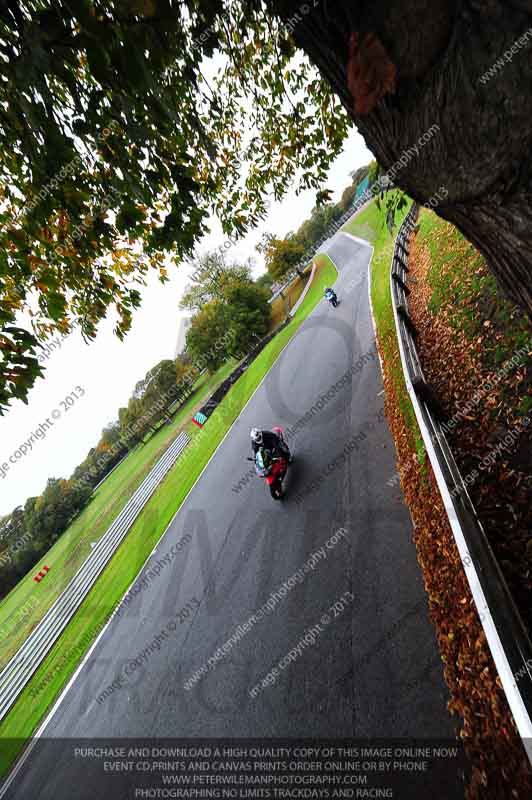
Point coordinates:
[(347, 197), (281, 255), (116, 149), (160, 390), (183, 367), (446, 104), (373, 173), (211, 278), (314, 229), (205, 337), (111, 434), (248, 314), (359, 174), (227, 328), (265, 281)]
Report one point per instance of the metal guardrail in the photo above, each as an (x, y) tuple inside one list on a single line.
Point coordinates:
[(32, 653), (505, 631)]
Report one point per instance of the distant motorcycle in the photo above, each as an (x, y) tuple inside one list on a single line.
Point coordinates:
[(272, 468), (331, 297)]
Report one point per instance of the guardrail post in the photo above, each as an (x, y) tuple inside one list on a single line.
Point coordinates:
[(407, 319), (426, 392), (401, 283)]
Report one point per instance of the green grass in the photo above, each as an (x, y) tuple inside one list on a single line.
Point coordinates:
[(72, 548), (365, 224), (382, 308), (26, 714), (466, 293)]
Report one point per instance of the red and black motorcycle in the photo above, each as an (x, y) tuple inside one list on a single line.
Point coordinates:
[(274, 471)]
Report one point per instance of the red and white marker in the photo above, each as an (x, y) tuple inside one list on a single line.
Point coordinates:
[(38, 578)]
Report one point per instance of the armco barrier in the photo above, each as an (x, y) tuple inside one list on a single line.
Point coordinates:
[(27, 660), (505, 632)]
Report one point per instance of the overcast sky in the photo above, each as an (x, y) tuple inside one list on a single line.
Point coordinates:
[(107, 370)]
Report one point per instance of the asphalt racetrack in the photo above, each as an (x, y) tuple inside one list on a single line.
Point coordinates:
[(342, 646)]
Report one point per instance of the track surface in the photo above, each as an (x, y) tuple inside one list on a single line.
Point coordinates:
[(374, 671)]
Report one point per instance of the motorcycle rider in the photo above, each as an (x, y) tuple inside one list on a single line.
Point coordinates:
[(330, 295), (270, 442)]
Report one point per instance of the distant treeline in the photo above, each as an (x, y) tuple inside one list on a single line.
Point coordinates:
[(293, 252), (28, 532)]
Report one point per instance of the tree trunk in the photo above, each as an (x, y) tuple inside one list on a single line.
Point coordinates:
[(442, 93)]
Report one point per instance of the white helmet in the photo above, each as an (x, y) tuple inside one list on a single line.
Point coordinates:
[(256, 435)]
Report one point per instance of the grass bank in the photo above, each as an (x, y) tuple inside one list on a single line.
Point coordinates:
[(371, 218)]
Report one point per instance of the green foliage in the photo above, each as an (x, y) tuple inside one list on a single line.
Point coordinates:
[(229, 326), (373, 173), (211, 278), (467, 296), (116, 150), (248, 316), (315, 228), (359, 174), (206, 336), (29, 532), (44, 519), (265, 280), (143, 537), (394, 203), (281, 255), (347, 197), (525, 405)]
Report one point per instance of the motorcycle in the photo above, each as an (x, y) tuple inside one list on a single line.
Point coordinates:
[(276, 471), (332, 298)]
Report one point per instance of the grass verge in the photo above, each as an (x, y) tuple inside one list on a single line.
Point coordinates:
[(383, 243), (68, 651)]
